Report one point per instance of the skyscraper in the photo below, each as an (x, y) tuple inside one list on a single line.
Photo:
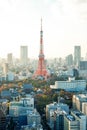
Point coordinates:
[(24, 55), (5, 68), (69, 60), (41, 70), (9, 58), (77, 55)]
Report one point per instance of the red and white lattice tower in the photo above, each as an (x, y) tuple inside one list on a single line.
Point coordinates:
[(41, 69)]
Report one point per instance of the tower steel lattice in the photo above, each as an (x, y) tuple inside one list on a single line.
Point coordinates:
[(41, 69)]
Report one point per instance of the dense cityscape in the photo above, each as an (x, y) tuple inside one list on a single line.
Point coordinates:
[(43, 93)]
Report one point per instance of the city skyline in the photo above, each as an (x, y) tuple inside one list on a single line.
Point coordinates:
[(64, 26)]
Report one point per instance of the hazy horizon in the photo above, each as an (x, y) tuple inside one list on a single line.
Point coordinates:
[(64, 26)]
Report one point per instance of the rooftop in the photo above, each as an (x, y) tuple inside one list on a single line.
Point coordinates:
[(56, 104), (82, 97), (78, 113), (70, 117)]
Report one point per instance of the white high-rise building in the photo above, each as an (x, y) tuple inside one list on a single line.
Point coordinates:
[(24, 55), (9, 58), (69, 60), (5, 68), (77, 55)]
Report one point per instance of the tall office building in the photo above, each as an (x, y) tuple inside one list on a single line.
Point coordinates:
[(9, 58), (78, 101), (59, 119), (77, 55), (54, 106), (5, 68), (24, 55), (83, 65), (69, 60), (83, 69)]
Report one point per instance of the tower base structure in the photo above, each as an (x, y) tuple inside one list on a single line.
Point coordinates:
[(41, 74)]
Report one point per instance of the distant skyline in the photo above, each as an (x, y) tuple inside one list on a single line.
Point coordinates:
[(64, 26)]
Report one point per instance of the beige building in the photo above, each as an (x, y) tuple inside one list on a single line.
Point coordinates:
[(81, 118), (5, 68), (24, 55), (70, 123), (10, 58), (84, 108), (78, 100)]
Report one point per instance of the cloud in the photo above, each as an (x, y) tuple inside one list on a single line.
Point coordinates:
[(81, 8), (80, 1)]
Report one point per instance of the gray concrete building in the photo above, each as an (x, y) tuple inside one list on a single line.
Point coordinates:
[(77, 55)]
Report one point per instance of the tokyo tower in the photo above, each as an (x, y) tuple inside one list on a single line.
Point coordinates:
[(41, 69)]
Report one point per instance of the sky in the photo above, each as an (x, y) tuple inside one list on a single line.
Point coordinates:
[(64, 26)]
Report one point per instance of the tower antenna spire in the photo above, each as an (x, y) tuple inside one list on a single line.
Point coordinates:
[(41, 23)]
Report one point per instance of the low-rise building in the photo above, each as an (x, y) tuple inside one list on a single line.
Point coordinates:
[(32, 127), (22, 106), (5, 94), (70, 85)]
